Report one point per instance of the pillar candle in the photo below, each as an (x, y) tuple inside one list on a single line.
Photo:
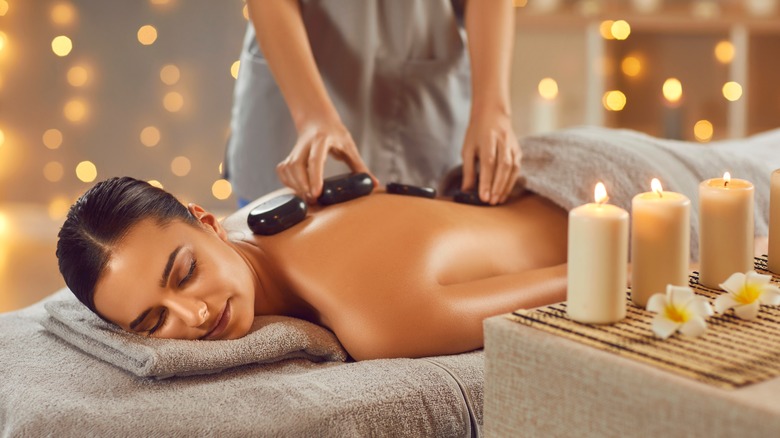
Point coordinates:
[(597, 261), (660, 242), (774, 224), (725, 229)]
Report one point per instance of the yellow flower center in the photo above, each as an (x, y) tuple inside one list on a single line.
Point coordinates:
[(677, 314), (748, 293)]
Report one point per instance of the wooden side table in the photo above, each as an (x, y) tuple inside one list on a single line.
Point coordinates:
[(540, 384)]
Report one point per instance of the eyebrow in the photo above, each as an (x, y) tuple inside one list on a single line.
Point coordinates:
[(163, 281)]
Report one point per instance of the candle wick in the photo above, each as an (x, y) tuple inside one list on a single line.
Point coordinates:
[(725, 183)]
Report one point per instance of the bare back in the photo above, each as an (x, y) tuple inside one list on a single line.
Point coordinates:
[(384, 263)]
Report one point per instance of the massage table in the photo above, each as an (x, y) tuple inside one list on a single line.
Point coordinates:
[(51, 388)]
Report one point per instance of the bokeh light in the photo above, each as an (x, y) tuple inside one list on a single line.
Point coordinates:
[(703, 131), (58, 207), (221, 189), (52, 138), (75, 110), (548, 88), (181, 166), (614, 100), (3, 8), (86, 171), (620, 30), (78, 76), (61, 45), (2, 137), (169, 74), (234, 69), (605, 29), (63, 13), (150, 136), (155, 183), (631, 66), (173, 101), (672, 90), (219, 169), (724, 52), (3, 40), (53, 171), (147, 35), (732, 91)]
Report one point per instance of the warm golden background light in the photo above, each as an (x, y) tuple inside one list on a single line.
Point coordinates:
[(147, 35), (548, 88), (86, 171), (52, 138), (672, 90), (61, 45), (170, 74), (150, 136)]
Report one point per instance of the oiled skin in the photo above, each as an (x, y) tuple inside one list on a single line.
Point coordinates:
[(399, 276)]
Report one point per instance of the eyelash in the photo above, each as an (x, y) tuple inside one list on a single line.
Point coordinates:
[(188, 277), (161, 323), (164, 317)]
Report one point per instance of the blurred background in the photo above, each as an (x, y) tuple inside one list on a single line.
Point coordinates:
[(91, 89)]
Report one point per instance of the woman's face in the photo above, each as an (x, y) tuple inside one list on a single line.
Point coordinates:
[(178, 281)]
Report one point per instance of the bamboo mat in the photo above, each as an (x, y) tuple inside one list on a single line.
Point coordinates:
[(731, 353)]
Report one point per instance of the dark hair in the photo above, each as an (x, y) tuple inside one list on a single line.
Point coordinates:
[(99, 219)]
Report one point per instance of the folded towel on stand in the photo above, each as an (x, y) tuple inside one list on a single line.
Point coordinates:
[(271, 339), (564, 167)]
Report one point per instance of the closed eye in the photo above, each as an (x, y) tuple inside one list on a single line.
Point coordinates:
[(160, 322), (190, 273)]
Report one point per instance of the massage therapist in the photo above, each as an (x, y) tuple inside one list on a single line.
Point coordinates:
[(384, 86)]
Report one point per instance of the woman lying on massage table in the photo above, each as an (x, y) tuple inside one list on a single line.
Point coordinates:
[(390, 275)]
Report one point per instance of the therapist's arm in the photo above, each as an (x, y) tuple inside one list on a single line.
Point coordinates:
[(283, 39), (490, 136)]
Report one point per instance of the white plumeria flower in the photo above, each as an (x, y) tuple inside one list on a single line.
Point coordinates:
[(679, 309), (746, 293)]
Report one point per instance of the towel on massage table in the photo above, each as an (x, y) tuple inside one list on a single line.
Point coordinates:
[(271, 339), (564, 166)]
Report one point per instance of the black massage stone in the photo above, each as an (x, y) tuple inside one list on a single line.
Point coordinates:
[(276, 215), (470, 197), (345, 187), (405, 189)]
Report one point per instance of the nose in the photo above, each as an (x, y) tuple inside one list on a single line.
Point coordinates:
[(192, 312)]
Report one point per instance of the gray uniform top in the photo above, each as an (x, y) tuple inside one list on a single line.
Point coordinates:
[(398, 74)]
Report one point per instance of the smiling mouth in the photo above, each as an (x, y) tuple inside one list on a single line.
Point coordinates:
[(222, 322)]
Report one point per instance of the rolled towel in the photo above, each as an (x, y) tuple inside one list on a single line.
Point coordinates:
[(271, 339)]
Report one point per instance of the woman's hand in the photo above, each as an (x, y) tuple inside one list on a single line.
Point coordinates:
[(491, 140), (303, 169)]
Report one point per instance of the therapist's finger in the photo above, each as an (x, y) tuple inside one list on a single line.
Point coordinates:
[(468, 169), (298, 173), (316, 167), (502, 170), (487, 166), (512, 180)]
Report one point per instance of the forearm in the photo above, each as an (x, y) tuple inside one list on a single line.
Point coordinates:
[(490, 29), (283, 39)]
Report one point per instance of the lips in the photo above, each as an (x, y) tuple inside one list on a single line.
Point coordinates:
[(222, 322)]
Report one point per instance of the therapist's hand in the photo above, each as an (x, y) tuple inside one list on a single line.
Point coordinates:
[(303, 169), (491, 141)]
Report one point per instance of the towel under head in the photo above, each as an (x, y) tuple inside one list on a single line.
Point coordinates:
[(271, 339)]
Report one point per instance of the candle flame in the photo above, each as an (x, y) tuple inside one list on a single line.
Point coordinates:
[(600, 193), (726, 179), (655, 184)]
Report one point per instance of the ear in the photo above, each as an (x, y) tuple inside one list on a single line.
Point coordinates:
[(207, 219)]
